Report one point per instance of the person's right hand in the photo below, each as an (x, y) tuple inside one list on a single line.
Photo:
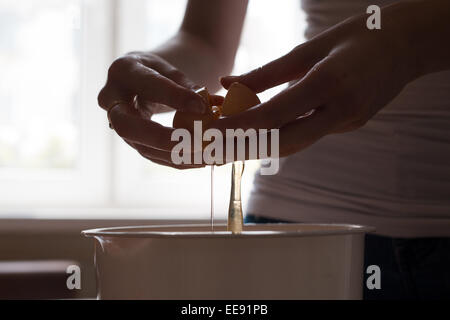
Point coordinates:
[(137, 85)]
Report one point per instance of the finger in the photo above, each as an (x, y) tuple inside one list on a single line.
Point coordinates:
[(175, 166), (145, 108), (281, 109), (154, 87), (134, 77), (159, 156), (112, 94), (166, 69), (150, 152), (216, 100), (303, 132), (245, 146), (136, 129), (177, 76), (164, 155), (291, 66)]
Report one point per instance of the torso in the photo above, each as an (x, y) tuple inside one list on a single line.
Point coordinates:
[(394, 173)]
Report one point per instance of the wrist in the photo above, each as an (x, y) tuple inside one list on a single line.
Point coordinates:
[(195, 58)]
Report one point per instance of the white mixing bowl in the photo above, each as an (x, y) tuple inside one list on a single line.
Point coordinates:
[(266, 261)]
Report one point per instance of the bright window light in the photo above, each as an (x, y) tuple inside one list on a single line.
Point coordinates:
[(58, 158)]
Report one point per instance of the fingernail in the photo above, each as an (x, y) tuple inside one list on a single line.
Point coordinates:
[(226, 81), (196, 106)]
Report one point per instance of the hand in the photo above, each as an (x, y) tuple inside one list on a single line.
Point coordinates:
[(138, 85), (346, 74)]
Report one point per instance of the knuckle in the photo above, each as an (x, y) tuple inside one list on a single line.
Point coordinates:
[(154, 79), (297, 48), (119, 65), (174, 73), (101, 98), (114, 117)]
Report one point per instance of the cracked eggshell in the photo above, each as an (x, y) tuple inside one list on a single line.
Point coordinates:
[(238, 99)]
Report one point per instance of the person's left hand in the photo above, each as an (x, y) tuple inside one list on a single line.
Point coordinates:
[(346, 75)]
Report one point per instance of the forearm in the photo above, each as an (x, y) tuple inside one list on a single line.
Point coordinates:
[(205, 47)]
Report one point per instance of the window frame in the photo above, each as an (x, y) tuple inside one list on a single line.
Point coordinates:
[(67, 187), (108, 168)]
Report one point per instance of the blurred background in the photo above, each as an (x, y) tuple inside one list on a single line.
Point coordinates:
[(61, 168)]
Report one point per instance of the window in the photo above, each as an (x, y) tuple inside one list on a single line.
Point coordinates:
[(56, 150), (52, 144)]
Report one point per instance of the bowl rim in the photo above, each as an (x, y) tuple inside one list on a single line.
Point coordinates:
[(127, 231)]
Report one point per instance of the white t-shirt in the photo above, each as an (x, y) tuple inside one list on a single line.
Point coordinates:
[(393, 174)]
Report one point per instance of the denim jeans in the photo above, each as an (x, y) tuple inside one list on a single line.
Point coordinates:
[(417, 268)]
